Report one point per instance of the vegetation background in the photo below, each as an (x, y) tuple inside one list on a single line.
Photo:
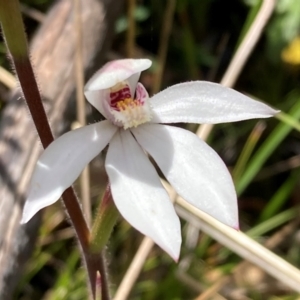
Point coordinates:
[(263, 156)]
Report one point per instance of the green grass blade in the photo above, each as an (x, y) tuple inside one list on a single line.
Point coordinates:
[(267, 148), (248, 150), (279, 198), (273, 223)]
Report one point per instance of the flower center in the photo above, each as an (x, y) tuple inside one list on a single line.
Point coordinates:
[(128, 111)]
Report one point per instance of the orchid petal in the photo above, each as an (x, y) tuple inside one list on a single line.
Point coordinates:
[(111, 74), (205, 102), (193, 168), (139, 195), (62, 162)]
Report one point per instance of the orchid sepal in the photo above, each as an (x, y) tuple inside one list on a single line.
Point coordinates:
[(193, 176), (205, 102), (60, 165)]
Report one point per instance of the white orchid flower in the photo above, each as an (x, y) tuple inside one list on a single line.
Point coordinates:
[(132, 130)]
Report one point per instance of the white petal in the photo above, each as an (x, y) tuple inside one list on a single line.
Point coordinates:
[(193, 168), (139, 195), (205, 102), (116, 71), (109, 75), (62, 162)]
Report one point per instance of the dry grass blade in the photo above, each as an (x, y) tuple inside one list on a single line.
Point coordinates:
[(33, 13), (7, 78), (84, 177), (244, 246), (134, 269), (243, 52), (163, 44)]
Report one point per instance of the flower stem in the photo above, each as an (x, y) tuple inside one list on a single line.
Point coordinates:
[(77, 218), (97, 263), (101, 231), (104, 280), (104, 222)]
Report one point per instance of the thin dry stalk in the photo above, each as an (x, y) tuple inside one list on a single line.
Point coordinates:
[(279, 167), (275, 240), (33, 13), (81, 109), (134, 269), (7, 78), (243, 52), (213, 290), (244, 246), (164, 44)]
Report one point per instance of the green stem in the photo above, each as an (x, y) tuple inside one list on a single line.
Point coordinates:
[(101, 231), (104, 222), (97, 262), (104, 280)]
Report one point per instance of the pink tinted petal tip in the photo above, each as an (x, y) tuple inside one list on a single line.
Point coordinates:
[(237, 228), (116, 71)]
